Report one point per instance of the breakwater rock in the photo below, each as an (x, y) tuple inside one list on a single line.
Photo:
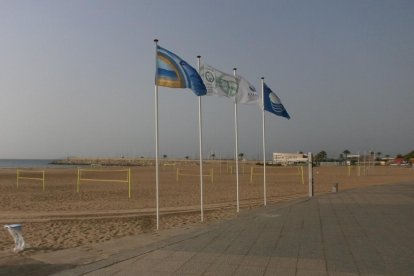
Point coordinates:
[(76, 161)]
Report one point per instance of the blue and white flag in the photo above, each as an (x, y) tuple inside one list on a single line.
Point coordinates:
[(272, 103), (174, 72)]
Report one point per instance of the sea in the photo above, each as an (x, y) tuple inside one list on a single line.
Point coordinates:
[(27, 163)]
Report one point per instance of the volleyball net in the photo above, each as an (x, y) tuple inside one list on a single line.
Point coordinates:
[(102, 175), (187, 172), (285, 172), (30, 175)]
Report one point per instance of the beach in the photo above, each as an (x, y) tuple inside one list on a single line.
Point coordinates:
[(66, 215)]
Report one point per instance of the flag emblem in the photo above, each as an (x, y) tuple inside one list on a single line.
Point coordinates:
[(209, 76), (174, 72), (272, 103), (168, 72), (228, 85)]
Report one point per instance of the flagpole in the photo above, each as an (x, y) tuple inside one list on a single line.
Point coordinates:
[(156, 145), (236, 148), (264, 145), (200, 134)]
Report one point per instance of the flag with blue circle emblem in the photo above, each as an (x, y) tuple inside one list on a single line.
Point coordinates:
[(174, 72), (272, 103)]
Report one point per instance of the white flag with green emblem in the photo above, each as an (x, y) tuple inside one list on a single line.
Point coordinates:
[(222, 84)]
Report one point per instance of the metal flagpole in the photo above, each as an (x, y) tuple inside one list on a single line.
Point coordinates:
[(200, 134), (156, 145), (364, 164), (236, 149), (310, 174), (264, 146), (359, 169)]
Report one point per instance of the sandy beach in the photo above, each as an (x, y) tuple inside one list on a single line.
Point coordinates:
[(60, 217)]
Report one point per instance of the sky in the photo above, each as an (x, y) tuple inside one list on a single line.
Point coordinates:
[(77, 77)]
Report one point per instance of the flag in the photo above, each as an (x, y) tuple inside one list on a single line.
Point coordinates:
[(233, 87), (174, 72), (218, 83), (246, 93), (272, 103)]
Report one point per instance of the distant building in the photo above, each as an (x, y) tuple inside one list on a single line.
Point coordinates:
[(352, 159), (285, 158), (399, 161)]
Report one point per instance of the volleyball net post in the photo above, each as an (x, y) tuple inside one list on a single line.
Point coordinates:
[(356, 169), (301, 173)]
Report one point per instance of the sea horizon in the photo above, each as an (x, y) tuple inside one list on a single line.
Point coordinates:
[(26, 163)]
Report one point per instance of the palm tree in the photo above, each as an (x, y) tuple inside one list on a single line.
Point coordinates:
[(187, 157), (321, 156), (346, 152), (241, 155), (165, 156)]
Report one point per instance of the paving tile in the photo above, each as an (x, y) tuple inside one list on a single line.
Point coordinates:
[(283, 262), (311, 264), (168, 266), (220, 270), (311, 250), (181, 255), (334, 273), (229, 259), (250, 270), (202, 257), (159, 254), (341, 265), (193, 268), (255, 261), (280, 271), (311, 273)]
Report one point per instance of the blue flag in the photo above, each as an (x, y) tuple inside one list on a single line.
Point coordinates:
[(174, 72), (272, 103)]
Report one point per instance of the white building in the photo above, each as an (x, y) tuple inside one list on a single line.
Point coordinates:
[(285, 158)]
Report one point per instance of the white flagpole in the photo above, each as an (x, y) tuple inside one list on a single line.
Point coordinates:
[(310, 175), (156, 145), (264, 145), (200, 134), (236, 148)]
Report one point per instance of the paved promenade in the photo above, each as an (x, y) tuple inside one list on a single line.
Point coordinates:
[(367, 231)]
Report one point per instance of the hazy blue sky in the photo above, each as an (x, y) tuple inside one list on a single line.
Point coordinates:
[(77, 77)]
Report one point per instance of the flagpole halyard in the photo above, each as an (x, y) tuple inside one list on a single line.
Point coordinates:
[(200, 134), (264, 145), (156, 147), (236, 148)]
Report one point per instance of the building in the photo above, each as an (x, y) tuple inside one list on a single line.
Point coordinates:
[(285, 158), (352, 159)]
